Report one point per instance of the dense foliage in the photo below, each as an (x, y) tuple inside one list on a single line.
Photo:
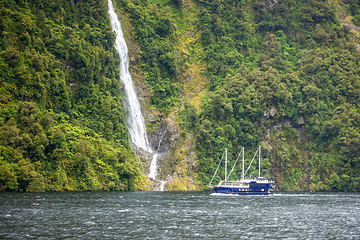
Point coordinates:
[(354, 8), (292, 59), (280, 74), (156, 34), (61, 117)]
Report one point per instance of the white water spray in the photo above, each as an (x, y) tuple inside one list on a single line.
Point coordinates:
[(153, 167), (162, 186), (134, 119)]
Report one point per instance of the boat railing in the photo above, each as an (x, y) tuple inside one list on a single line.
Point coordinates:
[(234, 184)]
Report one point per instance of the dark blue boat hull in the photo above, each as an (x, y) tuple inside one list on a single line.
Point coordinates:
[(237, 191)]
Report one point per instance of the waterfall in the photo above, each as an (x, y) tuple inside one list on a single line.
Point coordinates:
[(134, 119), (162, 186), (153, 167)]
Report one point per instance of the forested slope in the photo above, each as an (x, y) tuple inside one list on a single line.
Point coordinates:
[(296, 90), (280, 74), (61, 115), (300, 68)]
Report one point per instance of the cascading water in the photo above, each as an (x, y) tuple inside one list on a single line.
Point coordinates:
[(134, 119), (162, 186), (153, 165)]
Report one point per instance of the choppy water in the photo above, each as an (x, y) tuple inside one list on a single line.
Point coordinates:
[(178, 215)]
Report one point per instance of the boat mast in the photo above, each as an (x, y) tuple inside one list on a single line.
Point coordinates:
[(225, 165), (243, 163), (259, 159)]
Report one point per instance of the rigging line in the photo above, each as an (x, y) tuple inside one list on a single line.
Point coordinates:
[(235, 164), (251, 162), (217, 169)]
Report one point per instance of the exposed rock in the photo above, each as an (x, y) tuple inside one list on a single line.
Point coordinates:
[(277, 126), (272, 112), (288, 123), (117, 56), (266, 115), (271, 3), (164, 136), (72, 86), (302, 133), (160, 115), (151, 118), (344, 20), (301, 121), (269, 114), (68, 65)]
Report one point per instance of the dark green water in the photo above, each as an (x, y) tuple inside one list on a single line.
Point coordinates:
[(178, 215)]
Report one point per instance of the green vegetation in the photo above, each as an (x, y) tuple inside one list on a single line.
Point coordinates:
[(61, 117), (292, 57), (354, 7), (283, 75), (156, 35)]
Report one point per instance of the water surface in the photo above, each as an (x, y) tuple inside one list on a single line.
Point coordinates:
[(178, 215)]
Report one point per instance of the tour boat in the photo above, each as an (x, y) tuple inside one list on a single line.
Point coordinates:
[(246, 185)]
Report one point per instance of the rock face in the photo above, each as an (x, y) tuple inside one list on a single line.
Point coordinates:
[(161, 141), (271, 3), (269, 114), (301, 121), (164, 137), (176, 161)]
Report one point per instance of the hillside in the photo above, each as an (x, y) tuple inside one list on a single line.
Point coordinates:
[(282, 74), (210, 75), (61, 115)]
